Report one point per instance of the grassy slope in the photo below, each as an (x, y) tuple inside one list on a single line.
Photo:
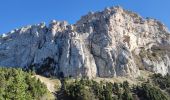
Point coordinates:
[(53, 85)]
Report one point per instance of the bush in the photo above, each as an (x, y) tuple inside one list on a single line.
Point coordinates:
[(85, 89), (16, 84), (162, 81), (89, 90), (148, 92), (79, 91)]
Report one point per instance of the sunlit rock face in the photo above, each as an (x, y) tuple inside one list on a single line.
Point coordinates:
[(110, 43)]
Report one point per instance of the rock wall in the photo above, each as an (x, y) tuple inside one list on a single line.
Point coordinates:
[(113, 42)]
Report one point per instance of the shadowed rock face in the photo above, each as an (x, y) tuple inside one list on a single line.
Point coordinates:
[(110, 43)]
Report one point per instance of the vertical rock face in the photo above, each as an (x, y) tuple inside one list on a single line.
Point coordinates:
[(114, 42)]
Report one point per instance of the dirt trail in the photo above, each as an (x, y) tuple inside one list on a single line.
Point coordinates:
[(51, 84)]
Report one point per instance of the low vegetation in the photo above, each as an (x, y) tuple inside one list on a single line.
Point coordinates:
[(154, 54), (16, 84), (85, 89), (149, 92), (163, 82)]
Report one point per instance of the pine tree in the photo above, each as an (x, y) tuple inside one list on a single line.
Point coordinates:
[(126, 94), (18, 85), (2, 86)]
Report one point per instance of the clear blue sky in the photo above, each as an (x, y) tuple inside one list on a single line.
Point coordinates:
[(17, 13)]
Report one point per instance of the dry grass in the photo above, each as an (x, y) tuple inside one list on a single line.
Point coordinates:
[(52, 84), (145, 75)]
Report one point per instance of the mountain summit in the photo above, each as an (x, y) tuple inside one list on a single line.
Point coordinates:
[(113, 42)]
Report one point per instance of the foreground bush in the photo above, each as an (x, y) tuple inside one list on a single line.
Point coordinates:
[(148, 92), (91, 90), (162, 81), (85, 89), (16, 84)]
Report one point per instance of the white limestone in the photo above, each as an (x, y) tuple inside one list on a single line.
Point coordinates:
[(99, 44)]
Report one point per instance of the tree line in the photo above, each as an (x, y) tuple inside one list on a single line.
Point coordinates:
[(85, 89)]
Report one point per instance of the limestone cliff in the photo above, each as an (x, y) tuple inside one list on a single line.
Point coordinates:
[(113, 42)]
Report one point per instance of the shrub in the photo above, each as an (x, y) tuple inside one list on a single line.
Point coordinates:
[(148, 92), (16, 84)]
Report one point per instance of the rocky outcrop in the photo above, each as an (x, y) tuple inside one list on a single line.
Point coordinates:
[(113, 42)]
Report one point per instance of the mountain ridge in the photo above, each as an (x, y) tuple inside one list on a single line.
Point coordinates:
[(113, 42)]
